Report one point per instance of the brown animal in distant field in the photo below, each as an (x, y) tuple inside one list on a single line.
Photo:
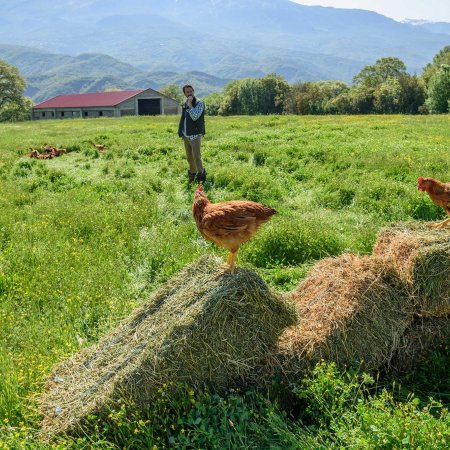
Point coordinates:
[(45, 155), (48, 153), (439, 193), (34, 153), (229, 224), (58, 151), (47, 148), (99, 147)]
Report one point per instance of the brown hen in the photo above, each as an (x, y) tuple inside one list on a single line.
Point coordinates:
[(439, 193), (99, 147), (229, 224)]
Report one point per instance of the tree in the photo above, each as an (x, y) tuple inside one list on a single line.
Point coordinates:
[(16, 112), (369, 96), (342, 104), (412, 94), (230, 103), (384, 88), (174, 92), (443, 57), (387, 96), (314, 97), (13, 105), (356, 100), (439, 90), (301, 98), (382, 71), (275, 91), (250, 96), (213, 103)]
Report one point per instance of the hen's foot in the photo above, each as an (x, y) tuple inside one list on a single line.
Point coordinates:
[(227, 268), (442, 224)]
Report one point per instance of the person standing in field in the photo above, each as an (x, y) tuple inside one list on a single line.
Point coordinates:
[(191, 130)]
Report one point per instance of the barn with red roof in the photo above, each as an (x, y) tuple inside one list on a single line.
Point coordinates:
[(106, 104)]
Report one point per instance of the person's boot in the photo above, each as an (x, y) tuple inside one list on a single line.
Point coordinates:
[(201, 176), (191, 176)]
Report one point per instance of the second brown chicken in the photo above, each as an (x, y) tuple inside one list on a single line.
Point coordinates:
[(439, 193), (229, 224)]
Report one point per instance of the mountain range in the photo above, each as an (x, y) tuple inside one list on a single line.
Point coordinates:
[(84, 45), (49, 74)]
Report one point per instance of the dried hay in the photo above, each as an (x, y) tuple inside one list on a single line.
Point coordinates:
[(421, 257), (422, 336), (351, 310), (203, 327)]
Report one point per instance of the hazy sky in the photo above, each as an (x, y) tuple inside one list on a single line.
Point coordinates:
[(434, 10)]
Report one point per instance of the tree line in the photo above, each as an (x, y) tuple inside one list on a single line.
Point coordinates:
[(383, 88)]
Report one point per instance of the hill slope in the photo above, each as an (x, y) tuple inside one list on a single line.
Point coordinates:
[(49, 74), (182, 35), (226, 39)]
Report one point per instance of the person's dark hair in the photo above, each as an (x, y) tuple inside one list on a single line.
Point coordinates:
[(187, 86)]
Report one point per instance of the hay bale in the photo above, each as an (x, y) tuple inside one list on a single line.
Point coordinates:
[(203, 328), (421, 337), (421, 257), (351, 310)]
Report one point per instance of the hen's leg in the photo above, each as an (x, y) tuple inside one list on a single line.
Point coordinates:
[(440, 224), (230, 266)]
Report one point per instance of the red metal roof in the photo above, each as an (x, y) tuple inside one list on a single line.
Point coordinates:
[(93, 99)]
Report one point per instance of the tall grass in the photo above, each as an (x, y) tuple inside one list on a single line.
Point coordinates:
[(85, 237)]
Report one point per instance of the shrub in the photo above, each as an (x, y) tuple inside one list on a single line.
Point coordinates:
[(180, 417), (292, 244), (349, 412)]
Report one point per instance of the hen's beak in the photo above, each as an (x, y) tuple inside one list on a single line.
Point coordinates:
[(419, 184)]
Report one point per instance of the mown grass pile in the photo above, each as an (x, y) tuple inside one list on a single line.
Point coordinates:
[(351, 310), (422, 335), (361, 310), (202, 328), (421, 257), (86, 237), (211, 329)]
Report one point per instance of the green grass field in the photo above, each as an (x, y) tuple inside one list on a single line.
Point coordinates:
[(85, 237)]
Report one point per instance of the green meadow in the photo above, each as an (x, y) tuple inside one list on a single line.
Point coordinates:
[(87, 236)]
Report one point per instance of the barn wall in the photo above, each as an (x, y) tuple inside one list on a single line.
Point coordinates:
[(73, 113), (171, 106), (128, 107), (168, 106)]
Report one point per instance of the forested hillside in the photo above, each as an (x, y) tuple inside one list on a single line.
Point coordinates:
[(49, 74), (224, 38)]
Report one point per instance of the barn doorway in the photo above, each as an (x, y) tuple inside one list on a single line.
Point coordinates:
[(149, 106)]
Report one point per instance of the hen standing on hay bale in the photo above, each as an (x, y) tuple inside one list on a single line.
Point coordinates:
[(229, 224), (440, 195)]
